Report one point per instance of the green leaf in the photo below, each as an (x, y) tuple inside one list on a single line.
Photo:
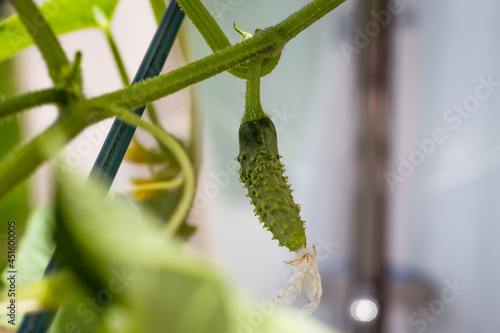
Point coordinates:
[(107, 243), (78, 316), (62, 15), (156, 282)]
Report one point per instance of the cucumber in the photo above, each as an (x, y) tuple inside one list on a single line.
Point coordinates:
[(262, 174)]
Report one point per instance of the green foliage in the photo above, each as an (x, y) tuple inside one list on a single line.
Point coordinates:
[(152, 280), (62, 15), (161, 282)]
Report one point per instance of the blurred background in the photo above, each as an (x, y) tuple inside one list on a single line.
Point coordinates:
[(385, 112)]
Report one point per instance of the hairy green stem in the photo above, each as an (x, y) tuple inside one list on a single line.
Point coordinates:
[(20, 103), (305, 17), (24, 160), (214, 36), (151, 90), (267, 43), (43, 36), (253, 107), (189, 178)]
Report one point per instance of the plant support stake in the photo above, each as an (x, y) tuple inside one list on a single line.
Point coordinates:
[(120, 135)]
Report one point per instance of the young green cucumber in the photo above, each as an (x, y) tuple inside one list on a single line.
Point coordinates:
[(262, 173)]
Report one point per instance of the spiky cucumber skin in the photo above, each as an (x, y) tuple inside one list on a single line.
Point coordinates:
[(262, 174)]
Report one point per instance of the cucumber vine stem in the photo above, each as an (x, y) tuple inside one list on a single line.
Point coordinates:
[(43, 36), (215, 37), (253, 107), (268, 43), (15, 104)]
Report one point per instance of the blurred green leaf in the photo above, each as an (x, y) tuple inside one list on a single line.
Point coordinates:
[(112, 247), (62, 15), (78, 316), (160, 284)]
